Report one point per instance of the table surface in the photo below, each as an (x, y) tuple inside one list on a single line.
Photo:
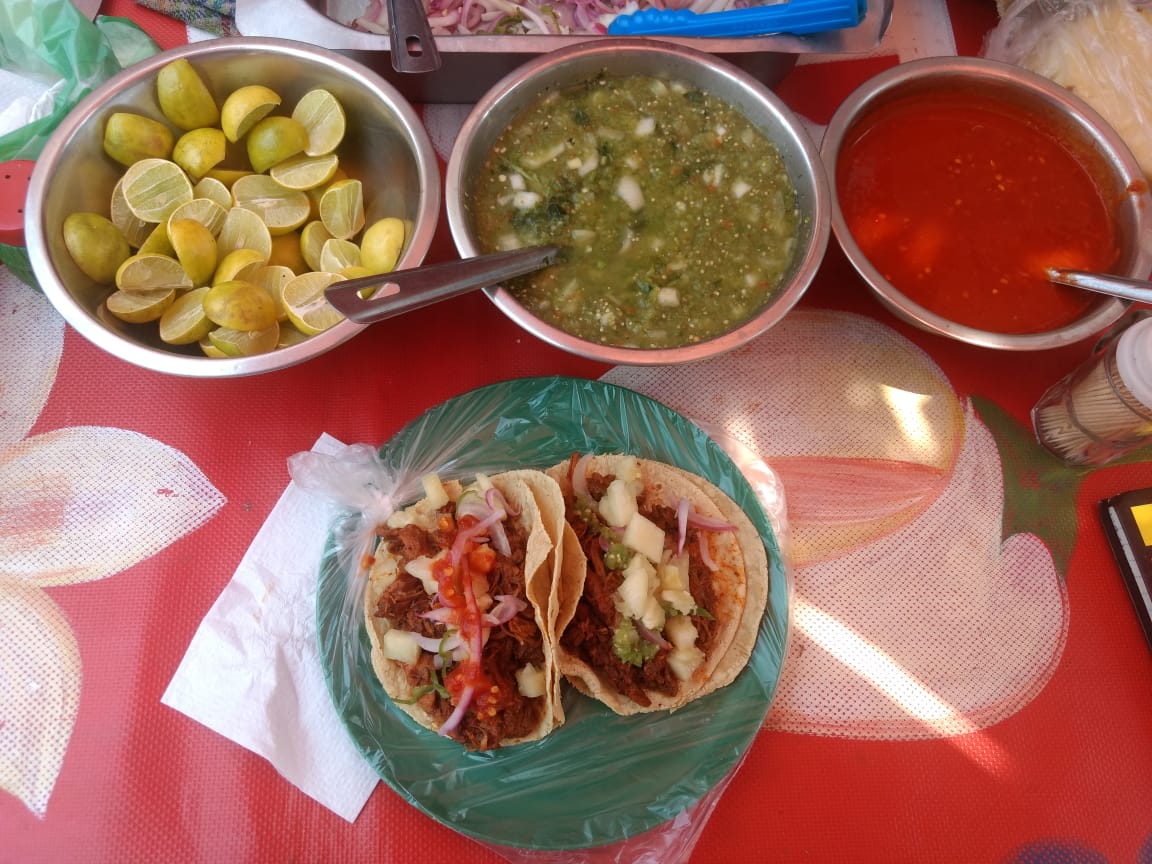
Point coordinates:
[(1052, 763)]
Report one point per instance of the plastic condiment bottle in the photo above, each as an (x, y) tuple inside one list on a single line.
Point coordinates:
[(1102, 409)]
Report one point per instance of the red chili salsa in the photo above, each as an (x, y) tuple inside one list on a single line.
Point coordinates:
[(963, 202)]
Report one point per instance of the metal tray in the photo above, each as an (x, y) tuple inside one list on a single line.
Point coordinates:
[(472, 64)]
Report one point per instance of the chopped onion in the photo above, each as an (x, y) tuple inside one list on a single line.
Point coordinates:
[(629, 190), (708, 523), (496, 500), (436, 644)]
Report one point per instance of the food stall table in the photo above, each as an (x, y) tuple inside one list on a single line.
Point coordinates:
[(999, 714)]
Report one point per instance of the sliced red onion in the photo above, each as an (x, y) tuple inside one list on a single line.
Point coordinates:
[(497, 501), (508, 607), (706, 552), (466, 534), (708, 523), (458, 714), (436, 644), (580, 477), (652, 636), (441, 615), (683, 508)]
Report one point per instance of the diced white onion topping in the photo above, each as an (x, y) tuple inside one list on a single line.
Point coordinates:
[(645, 127), (741, 188), (526, 200), (629, 190), (668, 297), (516, 181)]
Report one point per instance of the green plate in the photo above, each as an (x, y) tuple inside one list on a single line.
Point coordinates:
[(599, 778)]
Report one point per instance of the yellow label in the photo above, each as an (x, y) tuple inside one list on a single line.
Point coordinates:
[(1142, 513)]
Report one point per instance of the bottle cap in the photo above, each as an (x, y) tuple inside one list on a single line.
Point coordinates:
[(1134, 360)]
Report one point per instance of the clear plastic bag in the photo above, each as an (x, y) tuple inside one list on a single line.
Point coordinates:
[(51, 43), (1099, 49), (560, 799)]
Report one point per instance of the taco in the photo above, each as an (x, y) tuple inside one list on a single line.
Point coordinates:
[(663, 583), (456, 608)]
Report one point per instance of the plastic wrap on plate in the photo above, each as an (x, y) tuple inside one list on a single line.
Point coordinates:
[(1099, 49), (559, 798)]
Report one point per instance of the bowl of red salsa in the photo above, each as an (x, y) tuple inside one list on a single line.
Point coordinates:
[(956, 184)]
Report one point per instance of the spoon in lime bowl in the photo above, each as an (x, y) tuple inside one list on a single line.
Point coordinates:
[(1103, 283), (367, 299)]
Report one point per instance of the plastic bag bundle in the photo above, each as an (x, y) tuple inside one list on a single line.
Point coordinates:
[(52, 44), (1099, 49)]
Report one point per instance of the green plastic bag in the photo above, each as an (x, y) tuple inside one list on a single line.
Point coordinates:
[(52, 41)]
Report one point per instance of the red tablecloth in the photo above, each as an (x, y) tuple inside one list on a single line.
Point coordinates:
[(1068, 778)]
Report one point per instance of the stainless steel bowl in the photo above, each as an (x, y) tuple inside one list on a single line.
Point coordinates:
[(1069, 116), (622, 57), (386, 147)]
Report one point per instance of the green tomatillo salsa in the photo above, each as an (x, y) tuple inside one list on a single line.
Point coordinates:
[(676, 216)]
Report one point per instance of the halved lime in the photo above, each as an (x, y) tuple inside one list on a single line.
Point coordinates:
[(308, 309), (96, 245), (342, 208), (322, 115), (129, 137), (305, 172), (184, 322), (135, 230), (139, 307), (338, 255), (146, 271), (242, 343), (206, 211), (232, 263), (199, 151), (214, 190), (153, 188), (273, 140), (184, 97), (281, 209), (382, 243), (195, 248), (312, 239), (240, 305), (243, 229), (244, 108)]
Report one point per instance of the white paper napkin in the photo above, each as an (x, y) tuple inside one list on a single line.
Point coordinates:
[(252, 672)]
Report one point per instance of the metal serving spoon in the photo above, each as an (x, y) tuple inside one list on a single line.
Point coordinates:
[(404, 290), (410, 38), (1103, 283)]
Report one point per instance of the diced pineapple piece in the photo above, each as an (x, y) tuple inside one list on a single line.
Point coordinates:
[(618, 504), (530, 681), (681, 632), (400, 645), (634, 592), (644, 536), (674, 572), (653, 617), (684, 661), (421, 568), (678, 599)]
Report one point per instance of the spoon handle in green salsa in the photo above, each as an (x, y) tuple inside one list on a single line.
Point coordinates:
[(373, 298), (1104, 283)]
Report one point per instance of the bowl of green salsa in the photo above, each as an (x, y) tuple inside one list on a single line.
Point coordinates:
[(690, 205)]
